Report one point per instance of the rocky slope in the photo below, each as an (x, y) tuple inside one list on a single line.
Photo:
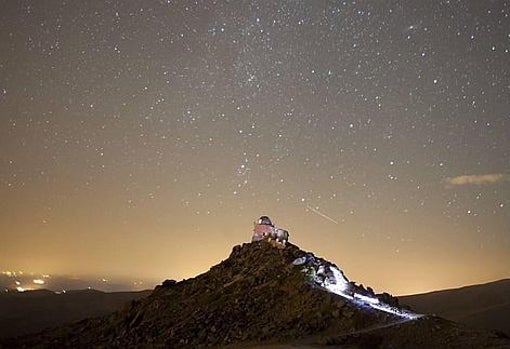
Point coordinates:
[(257, 295)]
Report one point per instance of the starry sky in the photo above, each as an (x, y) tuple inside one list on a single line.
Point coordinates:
[(145, 137)]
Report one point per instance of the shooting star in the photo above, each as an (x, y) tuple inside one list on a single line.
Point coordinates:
[(321, 214)]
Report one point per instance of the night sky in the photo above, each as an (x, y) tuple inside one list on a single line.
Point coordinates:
[(145, 137)]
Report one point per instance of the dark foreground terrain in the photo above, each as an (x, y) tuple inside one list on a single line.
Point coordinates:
[(28, 312), (256, 298)]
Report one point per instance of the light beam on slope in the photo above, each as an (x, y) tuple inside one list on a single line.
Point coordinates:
[(340, 288)]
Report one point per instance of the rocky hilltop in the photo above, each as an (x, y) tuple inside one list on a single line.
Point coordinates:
[(261, 294)]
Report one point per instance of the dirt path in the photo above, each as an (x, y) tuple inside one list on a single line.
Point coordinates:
[(309, 343), (374, 328)]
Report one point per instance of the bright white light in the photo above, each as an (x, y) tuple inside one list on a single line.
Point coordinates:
[(38, 281), (339, 285), (366, 299), (399, 312)]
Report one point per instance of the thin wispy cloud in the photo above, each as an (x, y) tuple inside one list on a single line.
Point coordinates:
[(485, 179)]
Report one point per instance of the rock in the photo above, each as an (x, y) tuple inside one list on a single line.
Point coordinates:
[(169, 283)]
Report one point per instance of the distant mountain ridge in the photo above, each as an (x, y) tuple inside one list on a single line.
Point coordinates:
[(259, 294), (484, 306)]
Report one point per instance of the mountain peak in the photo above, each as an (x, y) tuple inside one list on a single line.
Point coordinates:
[(262, 292)]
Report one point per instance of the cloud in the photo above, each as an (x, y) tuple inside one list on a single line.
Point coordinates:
[(485, 179)]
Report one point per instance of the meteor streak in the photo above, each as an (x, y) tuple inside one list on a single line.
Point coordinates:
[(321, 214)]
